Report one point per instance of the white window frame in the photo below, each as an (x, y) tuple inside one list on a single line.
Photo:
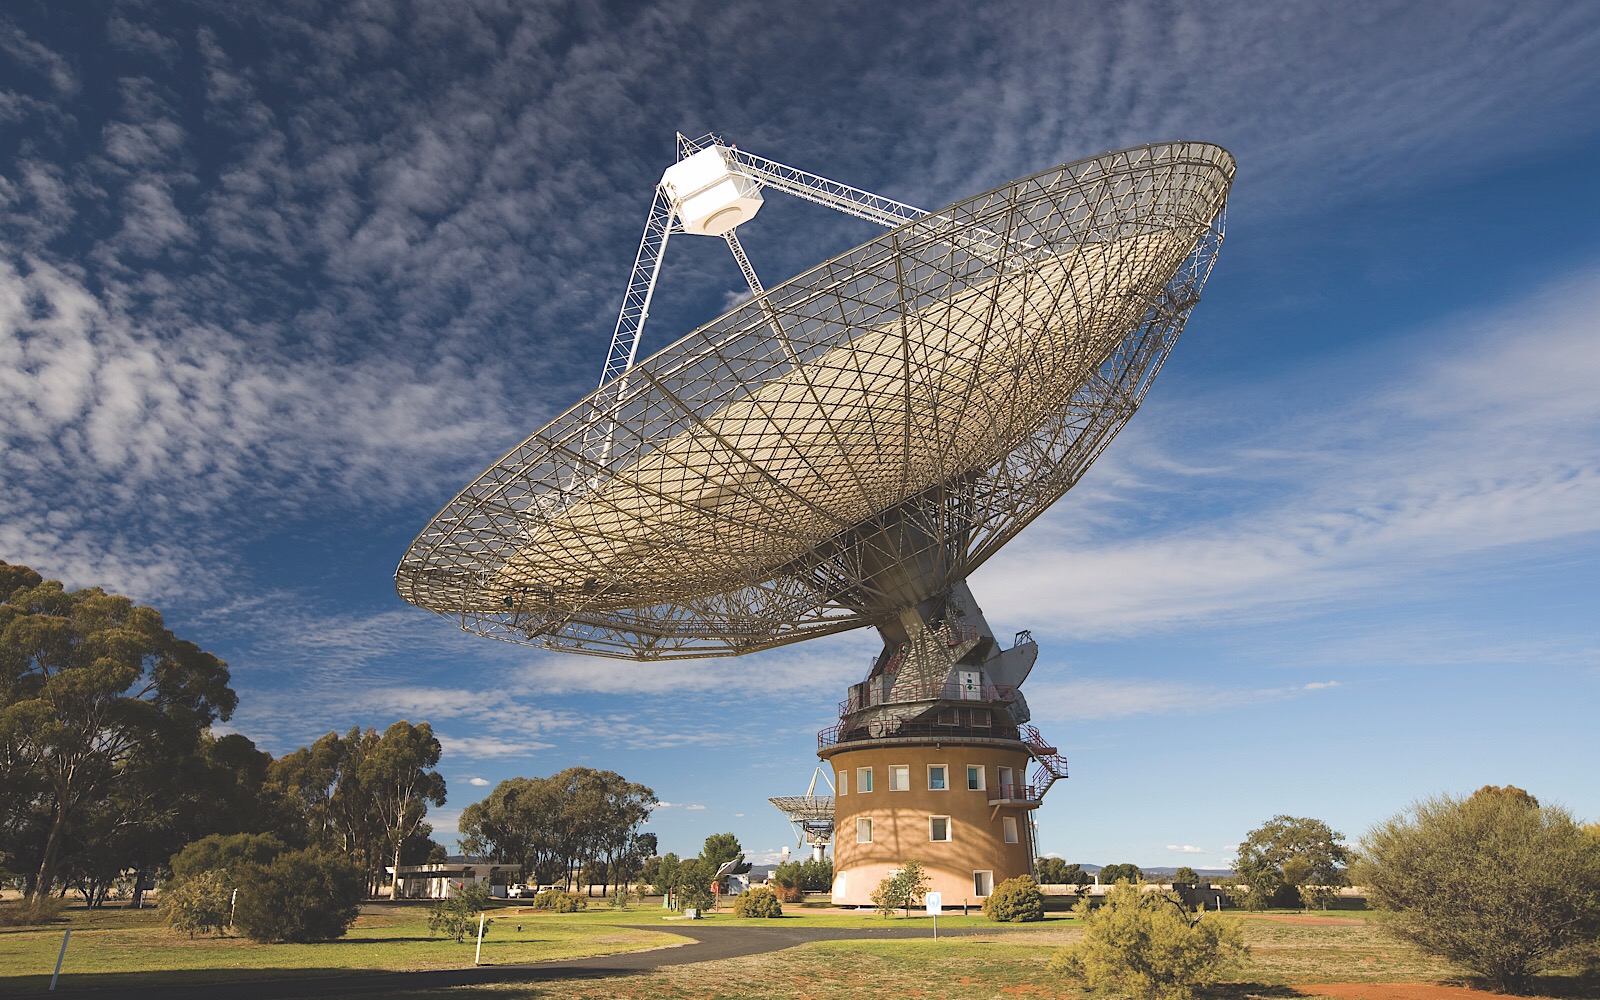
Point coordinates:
[(864, 825), (863, 780), (842, 782), (983, 778), (988, 877), (1008, 826), (945, 777), (949, 830), (904, 771)]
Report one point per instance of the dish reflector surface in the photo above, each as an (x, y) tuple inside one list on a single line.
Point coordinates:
[(899, 414)]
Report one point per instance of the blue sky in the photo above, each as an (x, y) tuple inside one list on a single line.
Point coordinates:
[(278, 279)]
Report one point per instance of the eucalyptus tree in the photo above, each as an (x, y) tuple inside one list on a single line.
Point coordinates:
[(1291, 853), (400, 782), (96, 695), (363, 795), (553, 825)]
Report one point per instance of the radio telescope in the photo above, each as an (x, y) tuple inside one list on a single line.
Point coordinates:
[(811, 814), (844, 450)]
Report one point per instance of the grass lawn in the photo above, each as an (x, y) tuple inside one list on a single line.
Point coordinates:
[(1285, 953), (115, 947), (1288, 950)]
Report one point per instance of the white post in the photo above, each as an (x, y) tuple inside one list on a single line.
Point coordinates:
[(233, 904), (479, 953), (64, 939)]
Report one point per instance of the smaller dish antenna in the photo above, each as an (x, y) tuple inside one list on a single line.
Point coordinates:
[(811, 814)]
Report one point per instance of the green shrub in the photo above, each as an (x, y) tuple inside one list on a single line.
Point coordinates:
[(560, 902), (198, 903), (758, 902), (809, 875), (1494, 882), (31, 912), (1144, 944), (299, 896), (1016, 900), (226, 855), (457, 916), (906, 887)]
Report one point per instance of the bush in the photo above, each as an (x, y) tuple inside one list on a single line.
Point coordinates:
[(560, 902), (1016, 900), (905, 887), (225, 855), (300, 896), (758, 902), (31, 912), (198, 904), (1494, 882), (457, 916), (1144, 944)]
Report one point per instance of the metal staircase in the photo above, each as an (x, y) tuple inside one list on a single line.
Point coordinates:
[(1050, 767)]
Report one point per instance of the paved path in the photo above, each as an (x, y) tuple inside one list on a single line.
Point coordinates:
[(710, 943)]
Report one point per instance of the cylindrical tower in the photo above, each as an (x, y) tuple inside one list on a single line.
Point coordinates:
[(954, 802), (932, 755)]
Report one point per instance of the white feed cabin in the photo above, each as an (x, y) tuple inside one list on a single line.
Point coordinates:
[(710, 195)]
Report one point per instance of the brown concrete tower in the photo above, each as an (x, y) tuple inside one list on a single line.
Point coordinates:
[(934, 760)]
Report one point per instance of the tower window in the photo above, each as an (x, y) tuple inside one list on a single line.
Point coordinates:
[(938, 777), (899, 777), (1009, 825), (939, 829), (863, 779), (975, 774), (982, 883), (863, 831)]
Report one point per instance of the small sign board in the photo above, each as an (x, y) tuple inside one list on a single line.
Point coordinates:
[(935, 904)]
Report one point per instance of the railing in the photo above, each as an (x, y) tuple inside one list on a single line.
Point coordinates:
[(901, 694), (1052, 766), (955, 635), (899, 730), (1018, 793)]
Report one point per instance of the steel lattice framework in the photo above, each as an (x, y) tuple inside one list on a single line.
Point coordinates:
[(849, 442)]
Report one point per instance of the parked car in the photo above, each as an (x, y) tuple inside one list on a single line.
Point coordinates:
[(517, 890)]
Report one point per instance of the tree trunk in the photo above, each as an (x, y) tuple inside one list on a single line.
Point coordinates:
[(136, 901), (45, 879)]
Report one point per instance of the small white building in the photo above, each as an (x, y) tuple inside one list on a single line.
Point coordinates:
[(444, 879)]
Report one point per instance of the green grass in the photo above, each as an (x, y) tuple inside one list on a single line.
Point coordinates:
[(116, 947), (981, 967)]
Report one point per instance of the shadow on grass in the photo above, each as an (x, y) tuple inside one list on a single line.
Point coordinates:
[(1249, 991), (270, 984)]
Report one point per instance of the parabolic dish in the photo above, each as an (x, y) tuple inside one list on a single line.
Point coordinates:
[(878, 426)]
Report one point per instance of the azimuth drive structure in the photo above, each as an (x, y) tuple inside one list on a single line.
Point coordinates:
[(843, 450)]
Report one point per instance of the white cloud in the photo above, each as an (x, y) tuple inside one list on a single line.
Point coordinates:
[(1186, 849), (478, 782), (490, 747), (1320, 685), (1487, 437)]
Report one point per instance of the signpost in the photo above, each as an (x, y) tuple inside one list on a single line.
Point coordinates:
[(935, 904)]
